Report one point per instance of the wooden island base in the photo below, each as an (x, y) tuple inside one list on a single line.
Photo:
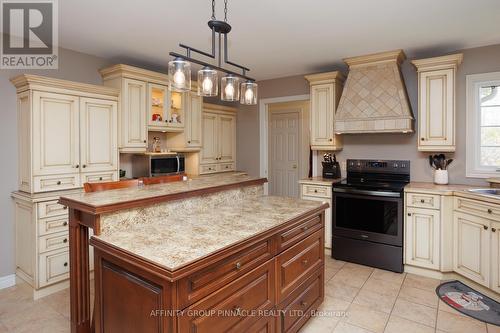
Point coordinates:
[(269, 283)]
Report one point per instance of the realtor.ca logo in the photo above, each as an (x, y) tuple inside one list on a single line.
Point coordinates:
[(29, 34)]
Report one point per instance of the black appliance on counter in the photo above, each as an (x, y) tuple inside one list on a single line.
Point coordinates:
[(331, 168), (368, 213)]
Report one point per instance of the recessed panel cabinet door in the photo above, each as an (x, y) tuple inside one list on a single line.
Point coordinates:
[(322, 113), (227, 140), (422, 237), (210, 150), (98, 135), (56, 141), (495, 257), (193, 120), (133, 130), (471, 247)]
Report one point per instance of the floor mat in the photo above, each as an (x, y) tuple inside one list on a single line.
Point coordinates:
[(469, 302)]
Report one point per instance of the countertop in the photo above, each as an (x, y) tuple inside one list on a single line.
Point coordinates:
[(320, 181), (116, 197), (196, 233), (451, 189)]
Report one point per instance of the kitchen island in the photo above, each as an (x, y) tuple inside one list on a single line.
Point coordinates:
[(212, 254)]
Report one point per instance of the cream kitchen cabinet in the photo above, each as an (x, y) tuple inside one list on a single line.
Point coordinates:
[(495, 256), (65, 130), (436, 102), (471, 247), (423, 237), (194, 110), (218, 153), (325, 92), (312, 189)]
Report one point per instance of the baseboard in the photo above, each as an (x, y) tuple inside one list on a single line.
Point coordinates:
[(7, 281)]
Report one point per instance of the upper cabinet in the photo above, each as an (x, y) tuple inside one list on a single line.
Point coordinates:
[(193, 132), (436, 102), (133, 115), (67, 133), (326, 89)]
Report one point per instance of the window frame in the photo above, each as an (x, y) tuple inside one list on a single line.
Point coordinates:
[(473, 129)]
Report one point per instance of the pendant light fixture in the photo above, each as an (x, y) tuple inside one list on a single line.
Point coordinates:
[(207, 82), (179, 69)]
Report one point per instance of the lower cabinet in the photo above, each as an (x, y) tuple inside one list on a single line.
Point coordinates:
[(422, 237), (471, 247), (495, 256), (321, 193)]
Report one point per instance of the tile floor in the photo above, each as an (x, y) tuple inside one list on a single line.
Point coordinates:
[(373, 301)]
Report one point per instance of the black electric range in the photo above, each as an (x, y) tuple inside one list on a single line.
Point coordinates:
[(368, 213)]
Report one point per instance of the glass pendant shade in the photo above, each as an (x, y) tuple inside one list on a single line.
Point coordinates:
[(179, 75), (230, 90), (207, 82), (248, 93)]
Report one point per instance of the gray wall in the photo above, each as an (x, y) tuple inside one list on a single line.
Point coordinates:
[(72, 66), (383, 146)]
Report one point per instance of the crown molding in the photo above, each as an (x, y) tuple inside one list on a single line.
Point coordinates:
[(131, 72), (443, 62), (397, 56), (326, 77)]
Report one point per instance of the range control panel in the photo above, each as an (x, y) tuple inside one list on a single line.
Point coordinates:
[(382, 166)]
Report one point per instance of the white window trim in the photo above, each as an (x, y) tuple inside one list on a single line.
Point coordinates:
[(474, 82)]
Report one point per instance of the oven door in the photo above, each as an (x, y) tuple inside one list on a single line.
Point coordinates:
[(164, 165), (368, 217)]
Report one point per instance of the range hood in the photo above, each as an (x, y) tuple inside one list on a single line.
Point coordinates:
[(374, 99)]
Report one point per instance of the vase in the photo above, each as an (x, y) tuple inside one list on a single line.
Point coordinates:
[(441, 177)]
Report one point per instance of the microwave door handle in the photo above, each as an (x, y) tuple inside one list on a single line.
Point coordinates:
[(178, 164)]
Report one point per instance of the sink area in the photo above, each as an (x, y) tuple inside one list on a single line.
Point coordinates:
[(486, 191)]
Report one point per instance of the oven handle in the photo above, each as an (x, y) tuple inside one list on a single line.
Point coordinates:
[(373, 193)]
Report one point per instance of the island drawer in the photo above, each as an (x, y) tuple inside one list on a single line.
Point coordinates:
[(232, 306), (53, 241), (420, 200), (303, 300), (52, 225), (51, 208), (478, 208), (317, 191), (299, 231), (297, 263), (205, 281), (53, 267)]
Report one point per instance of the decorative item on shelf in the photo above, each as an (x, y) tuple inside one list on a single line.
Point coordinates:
[(179, 69), (157, 117), (331, 167), (156, 102), (156, 144), (176, 119), (440, 165)]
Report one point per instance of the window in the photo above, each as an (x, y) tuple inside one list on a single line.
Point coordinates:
[(483, 125)]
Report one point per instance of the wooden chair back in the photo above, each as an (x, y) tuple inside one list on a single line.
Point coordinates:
[(97, 187), (162, 179)]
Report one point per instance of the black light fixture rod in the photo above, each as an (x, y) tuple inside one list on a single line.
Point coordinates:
[(243, 68), (189, 49), (202, 63)]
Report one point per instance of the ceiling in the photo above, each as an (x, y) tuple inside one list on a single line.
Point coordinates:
[(277, 38)]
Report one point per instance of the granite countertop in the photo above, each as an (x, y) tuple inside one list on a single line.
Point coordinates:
[(111, 197), (320, 180), (451, 189), (199, 232)]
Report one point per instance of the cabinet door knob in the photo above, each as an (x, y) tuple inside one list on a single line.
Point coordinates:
[(490, 211), (65, 264), (409, 214), (58, 182), (422, 200), (84, 166), (65, 207), (305, 262), (485, 227), (493, 229), (315, 191), (65, 223), (238, 265), (304, 304), (189, 141), (330, 139), (77, 166), (422, 139), (65, 240), (144, 141)]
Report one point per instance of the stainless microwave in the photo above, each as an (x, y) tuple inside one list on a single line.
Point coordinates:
[(152, 165)]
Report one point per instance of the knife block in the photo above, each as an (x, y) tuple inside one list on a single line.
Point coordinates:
[(331, 170)]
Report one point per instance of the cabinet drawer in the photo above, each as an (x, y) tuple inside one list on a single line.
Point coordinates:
[(317, 191), (298, 231), (478, 208), (226, 167), (53, 241), (420, 200), (51, 208), (52, 225), (208, 168), (204, 282), (251, 292), (298, 262), (57, 182), (53, 267), (304, 299), (99, 177)]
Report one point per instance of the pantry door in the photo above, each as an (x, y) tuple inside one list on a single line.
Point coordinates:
[(288, 149)]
